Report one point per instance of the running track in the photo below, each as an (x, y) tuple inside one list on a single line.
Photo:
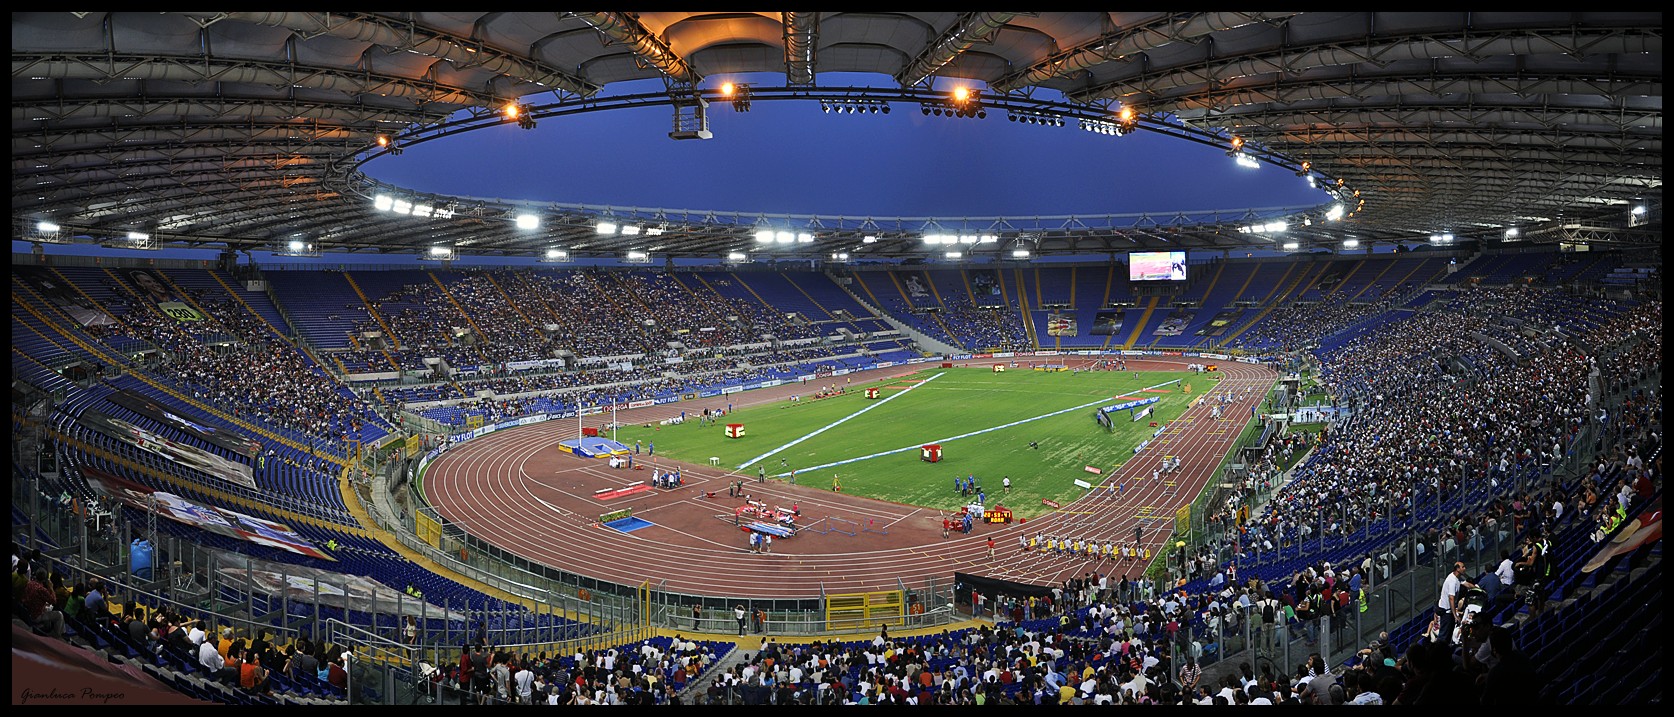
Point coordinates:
[(514, 489)]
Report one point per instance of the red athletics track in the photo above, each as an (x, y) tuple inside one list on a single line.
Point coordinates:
[(514, 489)]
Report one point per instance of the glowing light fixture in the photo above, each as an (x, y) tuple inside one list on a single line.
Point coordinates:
[(528, 221)]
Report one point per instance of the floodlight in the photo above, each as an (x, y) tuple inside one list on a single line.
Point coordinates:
[(764, 236), (46, 227), (605, 228), (528, 221), (1351, 243), (784, 237), (382, 202), (1292, 246), (630, 229)]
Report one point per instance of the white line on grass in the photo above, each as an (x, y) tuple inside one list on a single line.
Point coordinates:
[(966, 435), (837, 423)]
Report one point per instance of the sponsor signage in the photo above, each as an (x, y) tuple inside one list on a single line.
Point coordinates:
[(1083, 484), (1095, 470), (731, 390), (641, 403), (1050, 503)]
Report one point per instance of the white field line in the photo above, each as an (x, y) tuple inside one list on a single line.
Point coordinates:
[(916, 446), (838, 422)]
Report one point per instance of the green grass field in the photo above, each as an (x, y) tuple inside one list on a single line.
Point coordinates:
[(956, 401)]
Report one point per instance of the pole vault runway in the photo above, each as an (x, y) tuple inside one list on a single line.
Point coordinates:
[(514, 489)]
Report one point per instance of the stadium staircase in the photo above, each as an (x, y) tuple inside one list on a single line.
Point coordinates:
[(924, 340), (1022, 305), (101, 307), (239, 297), (1271, 302), (1144, 320), (396, 340), (456, 305), (805, 293), (107, 358), (508, 299)]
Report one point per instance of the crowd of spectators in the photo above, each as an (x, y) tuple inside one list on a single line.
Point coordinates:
[(649, 672), (1419, 431), (258, 375), (1289, 328)]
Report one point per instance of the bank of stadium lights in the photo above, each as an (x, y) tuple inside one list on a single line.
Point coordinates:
[(528, 221), (1245, 161), (555, 256), (962, 102), (1292, 246), (605, 228), (629, 230), (1511, 233), (1020, 253), (840, 256), (48, 233), (440, 253), (1267, 228), (1351, 243), (296, 246), (520, 114), (1335, 212), (954, 255), (654, 231), (1444, 238), (738, 257), (869, 239), (639, 257), (396, 205), (1044, 119), (764, 236), (1099, 127), (960, 239), (854, 107)]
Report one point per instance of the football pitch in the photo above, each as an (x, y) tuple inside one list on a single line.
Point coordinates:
[(985, 423)]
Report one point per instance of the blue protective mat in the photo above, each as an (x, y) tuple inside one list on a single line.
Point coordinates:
[(629, 525)]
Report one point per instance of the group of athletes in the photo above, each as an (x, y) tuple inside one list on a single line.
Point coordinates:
[(1084, 548)]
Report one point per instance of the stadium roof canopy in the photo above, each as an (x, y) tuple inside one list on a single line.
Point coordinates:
[(247, 129)]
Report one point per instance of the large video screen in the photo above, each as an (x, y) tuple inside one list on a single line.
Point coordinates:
[(1157, 266)]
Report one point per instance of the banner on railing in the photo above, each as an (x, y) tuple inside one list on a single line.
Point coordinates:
[(186, 424), (220, 521), (189, 456)]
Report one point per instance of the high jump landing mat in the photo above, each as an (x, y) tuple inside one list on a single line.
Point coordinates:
[(593, 447)]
